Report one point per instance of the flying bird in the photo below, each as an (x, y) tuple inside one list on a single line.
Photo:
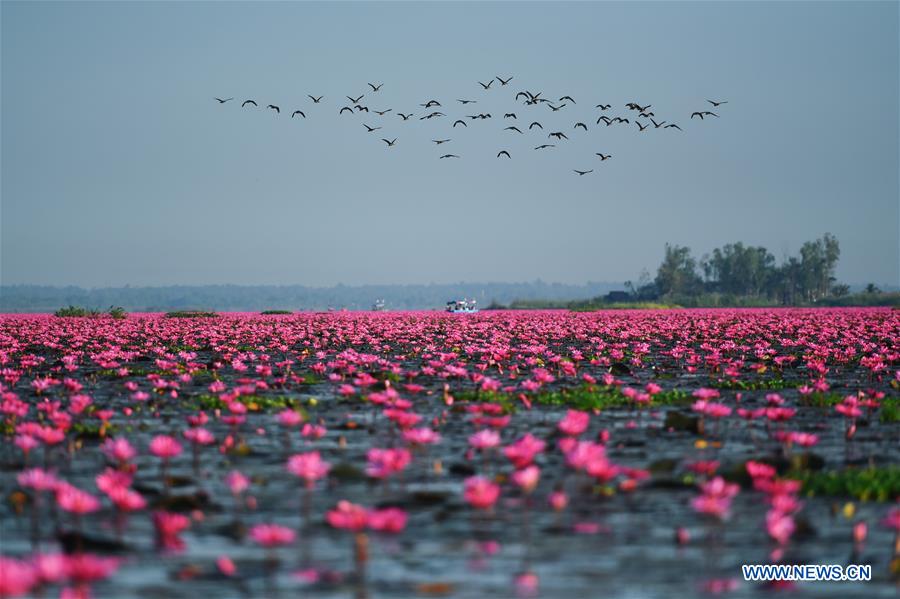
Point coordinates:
[(510, 115), (389, 143), (459, 122), (464, 102), (296, 112), (405, 117), (221, 101), (486, 85), (355, 100), (672, 126), (502, 82), (503, 153), (431, 116), (657, 125), (558, 135), (535, 123), (370, 129), (604, 106), (382, 112), (315, 99), (704, 113), (582, 173), (542, 146), (569, 98), (516, 129), (248, 102), (440, 141), (719, 103), (603, 157), (449, 156), (647, 115), (557, 108), (347, 108), (605, 119), (430, 103), (375, 88), (619, 119), (582, 125), (275, 108), (640, 126), (361, 108)]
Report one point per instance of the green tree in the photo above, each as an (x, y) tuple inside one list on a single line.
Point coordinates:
[(677, 275)]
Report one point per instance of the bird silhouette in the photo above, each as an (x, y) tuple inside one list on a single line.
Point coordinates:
[(449, 156), (672, 126), (430, 103), (510, 115), (486, 85), (431, 116), (382, 112), (361, 108), (558, 135), (582, 125), (605, 119), (526, 94), (657, 125), (355, 100), (503, 153), (464, 102), (603, 157), (557, 108), (502, 81), (296, 112), (704, 113), (582, 173), (459, 122), (569, 98), (533, 124), (604, 106), (347, 108), (640, 126), (389, 143), (647, 115), (370, 129), (315, 99), (248, 102), (516, 129), (719, 103), (542, 146), (405, 117), (275, 108), (619, 119), (440, 141), (221, 101), (375, 88)]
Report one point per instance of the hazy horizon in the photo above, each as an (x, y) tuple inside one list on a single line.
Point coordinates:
[(119, 168)]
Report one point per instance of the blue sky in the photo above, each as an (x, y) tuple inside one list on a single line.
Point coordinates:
[(119, 168)]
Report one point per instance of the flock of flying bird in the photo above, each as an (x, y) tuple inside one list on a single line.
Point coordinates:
[(637, 111)]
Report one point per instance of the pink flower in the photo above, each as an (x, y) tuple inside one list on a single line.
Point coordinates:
[(118, 449), (574, 423), (87, 568), (480, 492), (421, 436), (388, 520), (527, 478), (485, 439), (308, 466), (385, 462), (348, 516), (165, 447), (290, 418), (779, 526), (759, 469), (199, 436), (558, 501), (226, 566), (76, 501), (37, 479), (522, 452), (272, 535), (315, 431), (237, 482), (168, 526), (16, 577)]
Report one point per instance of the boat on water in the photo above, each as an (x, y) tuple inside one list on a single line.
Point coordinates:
[(379, 306), (462, 306)]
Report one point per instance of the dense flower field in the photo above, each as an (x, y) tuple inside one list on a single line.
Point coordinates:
[(430, 454)]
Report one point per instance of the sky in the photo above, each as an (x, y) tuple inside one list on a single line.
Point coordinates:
[(119, 167)]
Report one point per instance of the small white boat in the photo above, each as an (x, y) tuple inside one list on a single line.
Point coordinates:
[(462, 306)]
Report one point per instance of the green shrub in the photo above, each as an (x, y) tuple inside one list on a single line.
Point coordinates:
[(191, 314)]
